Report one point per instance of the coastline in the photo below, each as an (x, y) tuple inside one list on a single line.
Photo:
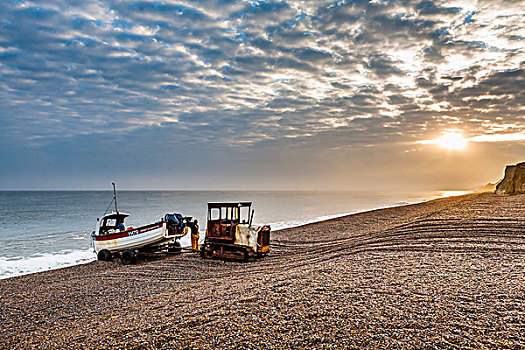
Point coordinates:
[(439, 274), (286, 225), (21, 266)]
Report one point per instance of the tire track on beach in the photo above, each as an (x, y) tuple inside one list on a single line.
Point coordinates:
[(422, 235), (357, 275)]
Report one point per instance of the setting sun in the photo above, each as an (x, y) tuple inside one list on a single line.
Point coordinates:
[(452, 141)]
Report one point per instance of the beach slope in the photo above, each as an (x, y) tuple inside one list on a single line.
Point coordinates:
[(442, 274)]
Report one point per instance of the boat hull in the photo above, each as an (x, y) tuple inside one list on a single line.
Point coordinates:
[(133, 239)]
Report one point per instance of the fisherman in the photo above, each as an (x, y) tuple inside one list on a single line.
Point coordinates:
[(195, 236), (121, 226)]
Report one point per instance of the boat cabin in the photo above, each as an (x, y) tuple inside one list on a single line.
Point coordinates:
[(110, 223)]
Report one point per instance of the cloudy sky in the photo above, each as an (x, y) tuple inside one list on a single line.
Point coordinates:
[(227, 94)]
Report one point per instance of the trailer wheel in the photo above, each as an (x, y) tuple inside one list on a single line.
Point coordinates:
[(128, 257), (175, 248), (104, 255)]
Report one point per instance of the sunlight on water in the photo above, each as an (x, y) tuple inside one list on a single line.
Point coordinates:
[(443, 194)]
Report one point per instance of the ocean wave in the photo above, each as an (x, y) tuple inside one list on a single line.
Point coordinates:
[(11, 267)]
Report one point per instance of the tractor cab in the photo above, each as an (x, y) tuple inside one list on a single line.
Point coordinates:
[(230, 233), (223, 219)]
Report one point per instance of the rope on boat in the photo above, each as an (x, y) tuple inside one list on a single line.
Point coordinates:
[(108, 206)]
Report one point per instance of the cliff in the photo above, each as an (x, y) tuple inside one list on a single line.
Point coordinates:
[(514, 180)]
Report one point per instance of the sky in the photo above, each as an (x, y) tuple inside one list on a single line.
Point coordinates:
[(284, 95)]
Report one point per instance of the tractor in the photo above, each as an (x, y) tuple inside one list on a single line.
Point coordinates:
[(230, 233)]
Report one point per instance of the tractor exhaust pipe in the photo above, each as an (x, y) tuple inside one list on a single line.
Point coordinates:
[(251, 218)]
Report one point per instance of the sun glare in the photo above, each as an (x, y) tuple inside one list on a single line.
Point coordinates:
[(451, 141)]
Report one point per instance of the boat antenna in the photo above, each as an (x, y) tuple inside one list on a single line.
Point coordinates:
[(115, 196)]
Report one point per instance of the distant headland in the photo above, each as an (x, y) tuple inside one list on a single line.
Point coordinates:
[(514, 180)]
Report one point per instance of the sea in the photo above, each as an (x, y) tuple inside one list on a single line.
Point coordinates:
[(45, 230)]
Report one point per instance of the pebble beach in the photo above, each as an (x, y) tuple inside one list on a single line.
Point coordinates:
[(444, 274)]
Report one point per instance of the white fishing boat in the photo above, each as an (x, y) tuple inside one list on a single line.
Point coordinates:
[(112, 238)]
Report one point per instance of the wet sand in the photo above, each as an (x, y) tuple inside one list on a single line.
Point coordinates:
[(443, 274)]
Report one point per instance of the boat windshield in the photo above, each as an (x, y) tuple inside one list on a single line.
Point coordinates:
[(112, 223)]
